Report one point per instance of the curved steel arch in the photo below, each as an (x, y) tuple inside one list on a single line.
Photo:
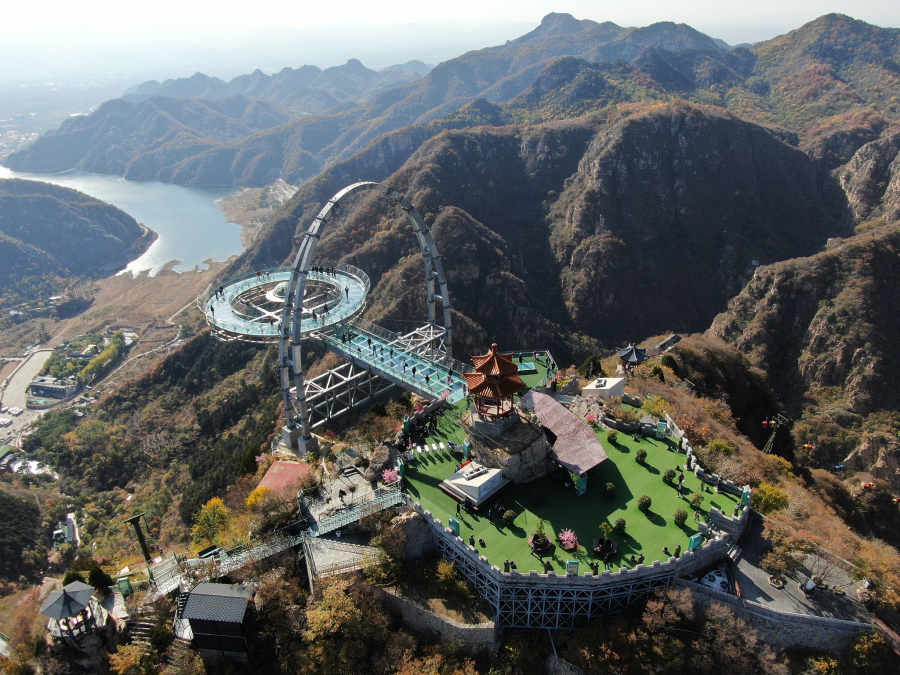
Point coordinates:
[(295, 407)]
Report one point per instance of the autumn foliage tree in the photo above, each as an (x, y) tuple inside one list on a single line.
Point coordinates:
[(210, 521)]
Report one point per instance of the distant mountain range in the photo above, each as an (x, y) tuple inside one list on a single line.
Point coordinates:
[(51, 231), (813, 83), (308, 90), (301, 148)]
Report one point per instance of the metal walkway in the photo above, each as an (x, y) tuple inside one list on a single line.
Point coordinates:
[(168, 575), (405, 360), (249, 307)]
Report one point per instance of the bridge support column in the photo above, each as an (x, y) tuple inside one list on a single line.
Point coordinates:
[(293, 438)]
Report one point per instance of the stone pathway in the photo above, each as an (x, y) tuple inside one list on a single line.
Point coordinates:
[(754, 585)]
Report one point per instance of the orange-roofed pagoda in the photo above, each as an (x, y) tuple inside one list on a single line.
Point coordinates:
[(492, 385)]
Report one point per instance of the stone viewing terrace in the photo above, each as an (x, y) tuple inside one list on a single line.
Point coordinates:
[(550, 499)]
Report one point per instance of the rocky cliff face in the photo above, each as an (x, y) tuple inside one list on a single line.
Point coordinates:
[(668, 214), (609, 231), (871, 179), (826, 326)]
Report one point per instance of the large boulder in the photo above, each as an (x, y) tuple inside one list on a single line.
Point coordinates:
[(384, 457), (418, 537)]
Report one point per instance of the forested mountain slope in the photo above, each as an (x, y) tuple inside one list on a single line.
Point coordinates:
[(648, 223), (300, 149), (47, 230)]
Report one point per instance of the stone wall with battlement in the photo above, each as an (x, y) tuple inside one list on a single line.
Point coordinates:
[(784, 629), (480, 637), (689, 563)]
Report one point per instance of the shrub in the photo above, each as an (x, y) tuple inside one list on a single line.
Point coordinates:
[(590, 418), (669, 476), (696, 499), (640, 455), (257, 496), (644, 502), (720, 447), (568, 539), (655, 406), (627, 415), (696, 433), (446, 572), (658, 373), (612, 435), (451, 582), (540, 535), (680, 516), (607, 529), (669, 362), (619, 527), (591, 368), (99, 579), (509, 516), (768, 498), (390, 476), (71, 576), (611, 490)]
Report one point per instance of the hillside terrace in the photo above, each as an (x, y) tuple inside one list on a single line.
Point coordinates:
[(560, 508)]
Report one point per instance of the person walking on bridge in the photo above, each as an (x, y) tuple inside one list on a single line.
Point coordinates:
[(414, 372), (347, 291)]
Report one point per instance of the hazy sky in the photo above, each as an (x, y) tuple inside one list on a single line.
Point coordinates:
[(730, 20)]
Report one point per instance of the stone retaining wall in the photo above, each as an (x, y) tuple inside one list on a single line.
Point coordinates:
[(784, 629), (479, 637)]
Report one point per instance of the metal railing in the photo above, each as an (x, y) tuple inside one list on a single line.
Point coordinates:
[(393, 368), (250, 328), (384, 497), (278, 541)]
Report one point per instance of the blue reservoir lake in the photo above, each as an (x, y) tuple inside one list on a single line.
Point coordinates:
[(192, 228)]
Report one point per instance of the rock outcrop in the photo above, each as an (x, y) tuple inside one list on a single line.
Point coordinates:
[(878, 455), (418, 538), (521, 452)]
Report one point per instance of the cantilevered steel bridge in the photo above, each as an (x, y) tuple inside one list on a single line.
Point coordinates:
[(312, 301)]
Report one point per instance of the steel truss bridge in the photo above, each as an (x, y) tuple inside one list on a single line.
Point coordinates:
[(308, 301)]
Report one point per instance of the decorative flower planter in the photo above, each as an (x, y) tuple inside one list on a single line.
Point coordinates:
[(541, 547)]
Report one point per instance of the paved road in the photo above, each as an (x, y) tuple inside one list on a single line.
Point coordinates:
[(15, 394)]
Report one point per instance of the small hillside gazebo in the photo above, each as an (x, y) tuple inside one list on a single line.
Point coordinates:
[(631, 356), (72, 611)]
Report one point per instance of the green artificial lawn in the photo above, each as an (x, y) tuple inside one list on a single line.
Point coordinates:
[(560, 508)]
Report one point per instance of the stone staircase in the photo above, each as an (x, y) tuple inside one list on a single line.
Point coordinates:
[(140, 626), (178, 654)]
